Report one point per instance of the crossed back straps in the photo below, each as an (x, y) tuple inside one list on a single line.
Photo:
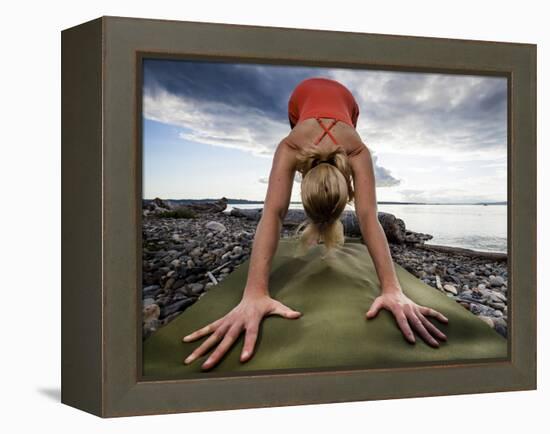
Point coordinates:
[(327, 130)]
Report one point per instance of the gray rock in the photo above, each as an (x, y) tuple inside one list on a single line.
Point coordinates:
[(215, 226), (196, 288), (150, 290), (496, 281), (226, 256), (178, 306), (169, 283), (450, 288), (196, 252), (151, 312), (148, 301), (500, 326)]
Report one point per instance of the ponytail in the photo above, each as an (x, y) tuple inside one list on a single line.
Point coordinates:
[(326, 188)]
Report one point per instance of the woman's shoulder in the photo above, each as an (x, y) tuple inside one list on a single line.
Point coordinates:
[(352, 142)]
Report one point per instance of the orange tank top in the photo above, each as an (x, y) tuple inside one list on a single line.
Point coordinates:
[(318, 97)]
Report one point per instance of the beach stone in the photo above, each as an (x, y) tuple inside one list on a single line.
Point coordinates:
[(496, 281), (148, 302), (450, 288), (226, 256), (456, 279), (480, 309), (215, 226), (430, 269), (498, 296), (501, 327), (151, 312), (179, 296), (178, 284), (178, 306), (421, 274), (197, 251), (196, 288), (150, 327), (150, 290)]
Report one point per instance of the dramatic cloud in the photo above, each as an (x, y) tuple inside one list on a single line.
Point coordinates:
[(453, 116)]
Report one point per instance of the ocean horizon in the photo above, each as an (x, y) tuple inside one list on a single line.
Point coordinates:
[(472, 226)]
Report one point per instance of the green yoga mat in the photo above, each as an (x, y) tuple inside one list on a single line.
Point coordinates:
[(333, 295)]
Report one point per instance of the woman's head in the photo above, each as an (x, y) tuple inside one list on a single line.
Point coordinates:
[(326, 189)]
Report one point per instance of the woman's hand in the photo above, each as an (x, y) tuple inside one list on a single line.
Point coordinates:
[(407, 313), (247, 316)]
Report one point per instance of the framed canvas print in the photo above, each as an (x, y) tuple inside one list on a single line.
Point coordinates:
[(261, 216)]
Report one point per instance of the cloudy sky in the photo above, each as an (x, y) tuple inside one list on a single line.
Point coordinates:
[(210, 130)]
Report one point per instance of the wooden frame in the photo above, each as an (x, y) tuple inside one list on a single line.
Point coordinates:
[(101, 212)]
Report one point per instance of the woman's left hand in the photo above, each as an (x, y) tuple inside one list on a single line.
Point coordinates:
[(408, 316)]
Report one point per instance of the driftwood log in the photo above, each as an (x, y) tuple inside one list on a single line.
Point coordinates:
[(394, 227), (495, 256), (202, 207), (157, 206)]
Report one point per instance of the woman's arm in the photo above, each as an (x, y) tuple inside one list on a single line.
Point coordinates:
[(256, 302), (407, 313), (268, 231)]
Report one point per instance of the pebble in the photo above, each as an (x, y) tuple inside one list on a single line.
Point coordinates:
[(176, 307), (450, 288), (496, 281), (215, 226)]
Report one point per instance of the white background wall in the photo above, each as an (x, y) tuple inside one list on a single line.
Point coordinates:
[(30, 213)]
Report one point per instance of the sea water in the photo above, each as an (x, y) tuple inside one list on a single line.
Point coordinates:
[(478, 227)]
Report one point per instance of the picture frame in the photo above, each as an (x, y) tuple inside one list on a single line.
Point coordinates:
[(101, 212)]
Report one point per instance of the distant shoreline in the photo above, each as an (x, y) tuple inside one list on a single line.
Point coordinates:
[(259, 202)]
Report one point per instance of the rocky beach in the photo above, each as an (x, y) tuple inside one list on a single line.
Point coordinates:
[(189, 248)]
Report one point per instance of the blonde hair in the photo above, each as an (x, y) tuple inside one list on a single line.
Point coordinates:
[(326, 189)]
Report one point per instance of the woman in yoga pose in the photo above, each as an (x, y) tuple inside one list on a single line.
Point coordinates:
[(336, 168)]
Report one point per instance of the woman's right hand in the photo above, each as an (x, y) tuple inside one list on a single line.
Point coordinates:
[(247, 316)]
